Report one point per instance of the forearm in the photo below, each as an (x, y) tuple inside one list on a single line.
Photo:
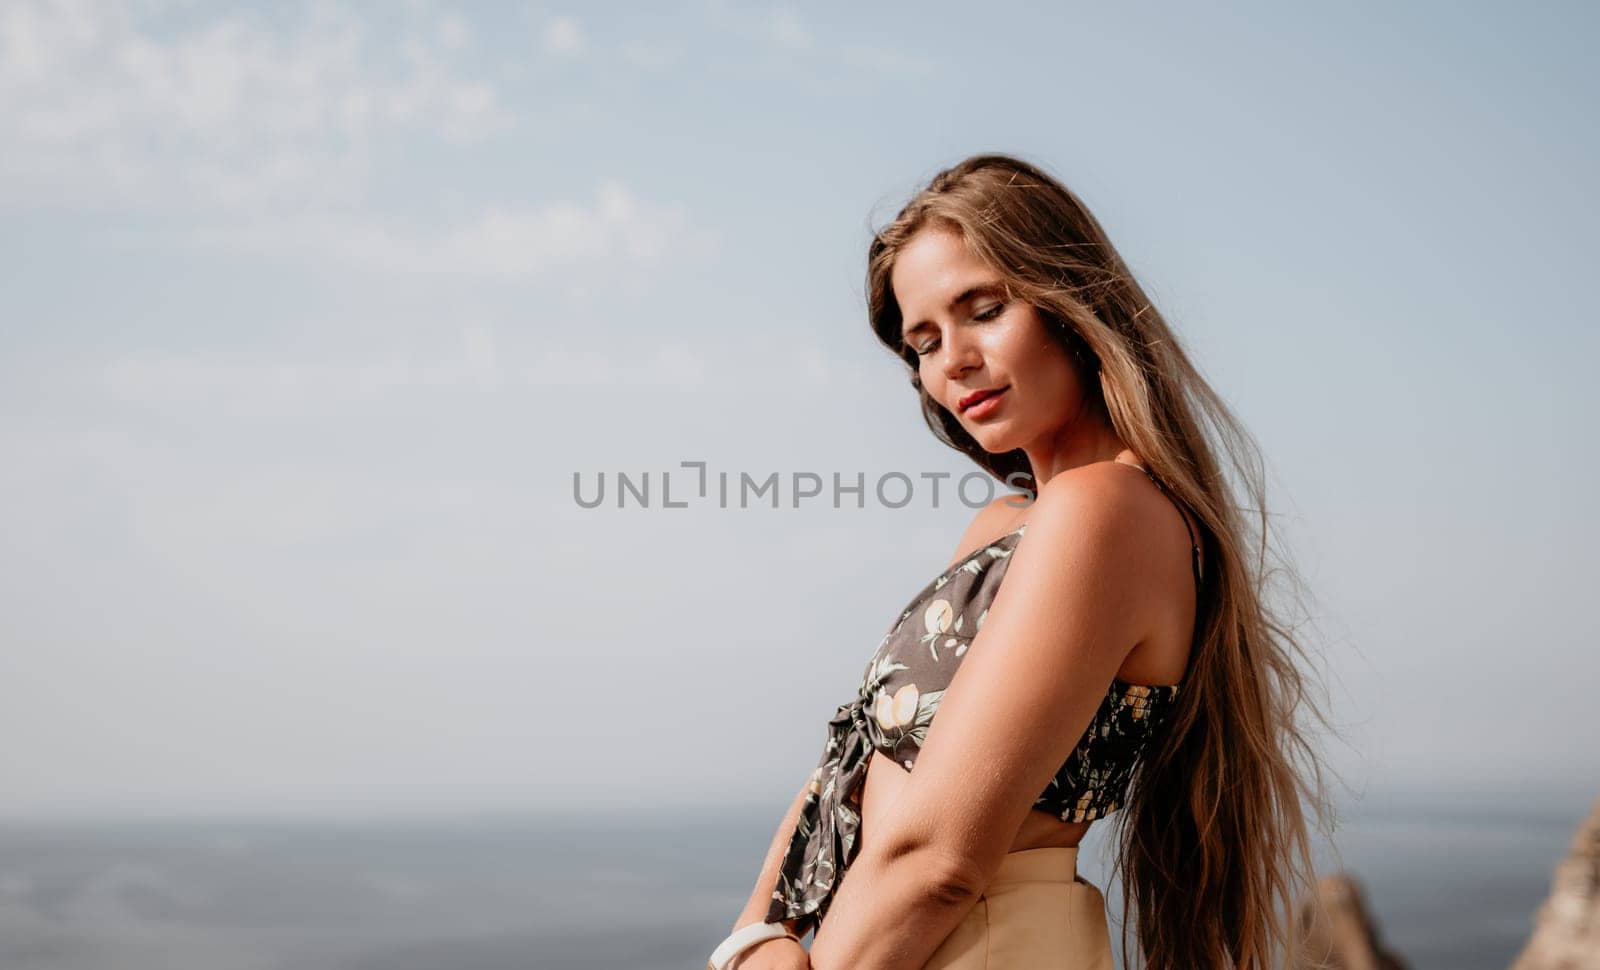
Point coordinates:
[(755, 911), (889, 914)]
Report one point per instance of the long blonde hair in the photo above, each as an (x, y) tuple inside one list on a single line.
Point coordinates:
[(1215, 850)]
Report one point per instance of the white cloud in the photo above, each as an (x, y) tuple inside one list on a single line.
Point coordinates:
[(886, 61), (453, 33), (651, 55), (98, 109), (563, 36), (784, 27), (256, 137), (243, 384), (558, 241)]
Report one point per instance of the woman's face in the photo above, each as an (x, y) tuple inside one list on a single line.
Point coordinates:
[(987, 361)]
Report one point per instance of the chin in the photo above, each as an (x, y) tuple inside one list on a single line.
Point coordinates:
[(990, 440)]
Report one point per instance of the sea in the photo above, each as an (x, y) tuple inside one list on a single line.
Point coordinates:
[(1453, 883)]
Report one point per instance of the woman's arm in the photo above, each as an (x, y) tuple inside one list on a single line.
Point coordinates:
[(755, 911), (1076, 599), (891, 910)]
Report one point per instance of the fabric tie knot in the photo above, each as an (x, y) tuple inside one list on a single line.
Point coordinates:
[(824, 840)]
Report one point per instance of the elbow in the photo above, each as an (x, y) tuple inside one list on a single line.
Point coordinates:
[(921, 845), (957, 879), (942, 873)]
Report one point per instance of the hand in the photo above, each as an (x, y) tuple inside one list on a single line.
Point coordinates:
[(785, 953)]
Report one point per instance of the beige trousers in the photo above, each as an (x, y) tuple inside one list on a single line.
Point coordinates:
[(1036, 915)]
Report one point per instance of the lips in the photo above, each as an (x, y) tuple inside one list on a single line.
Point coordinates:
[(977, 396)]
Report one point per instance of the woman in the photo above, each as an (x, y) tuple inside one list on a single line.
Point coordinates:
[(1129, 661)]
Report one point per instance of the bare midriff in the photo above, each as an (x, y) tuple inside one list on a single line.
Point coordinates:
[(886, 780)]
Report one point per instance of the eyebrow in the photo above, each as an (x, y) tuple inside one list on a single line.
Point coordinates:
[(986, 288)]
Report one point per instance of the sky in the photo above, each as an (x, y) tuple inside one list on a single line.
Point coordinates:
[(311, 314)]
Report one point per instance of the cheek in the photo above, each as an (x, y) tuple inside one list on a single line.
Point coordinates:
[(1021, 348), (932, 383), (1051, 383)]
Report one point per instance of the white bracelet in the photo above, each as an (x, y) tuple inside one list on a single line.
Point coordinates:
[(743, 939)]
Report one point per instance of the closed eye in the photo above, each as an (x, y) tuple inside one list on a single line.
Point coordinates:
[(985, 316)]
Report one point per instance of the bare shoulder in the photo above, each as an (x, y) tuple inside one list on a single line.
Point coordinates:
[(1107, 515), (1113, 530), (1106, 491)]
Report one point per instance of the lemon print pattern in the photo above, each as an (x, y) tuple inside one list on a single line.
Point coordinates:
[(895, 704)]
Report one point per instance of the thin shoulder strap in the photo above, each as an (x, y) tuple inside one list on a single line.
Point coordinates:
[(1194, 547)]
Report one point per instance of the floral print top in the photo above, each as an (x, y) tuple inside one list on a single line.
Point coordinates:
[(893, 707)]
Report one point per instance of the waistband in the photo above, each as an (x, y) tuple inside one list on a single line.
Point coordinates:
[(1050, 864)]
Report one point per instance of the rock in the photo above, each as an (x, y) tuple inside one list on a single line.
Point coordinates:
[(1340, 931), (1566, 932)]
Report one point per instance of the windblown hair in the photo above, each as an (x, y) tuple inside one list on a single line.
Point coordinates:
[(1215, 851)]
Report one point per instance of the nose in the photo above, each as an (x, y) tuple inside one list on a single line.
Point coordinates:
[(958, 354)]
